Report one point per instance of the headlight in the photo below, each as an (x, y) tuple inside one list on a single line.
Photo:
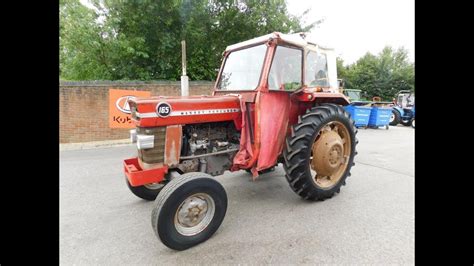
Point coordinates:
[(145, 141)]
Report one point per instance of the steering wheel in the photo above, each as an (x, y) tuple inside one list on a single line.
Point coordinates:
[(320, 82)]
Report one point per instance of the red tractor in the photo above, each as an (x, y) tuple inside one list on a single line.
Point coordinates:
[(275, 100)]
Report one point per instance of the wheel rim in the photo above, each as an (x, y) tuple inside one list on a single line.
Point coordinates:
[(194, 214), (413, 123), (392, 117), (154, 186), (330, 154)]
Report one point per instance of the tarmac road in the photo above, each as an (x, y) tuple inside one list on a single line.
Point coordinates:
[(370, 221)]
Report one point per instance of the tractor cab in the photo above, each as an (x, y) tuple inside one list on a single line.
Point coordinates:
[(405, 99), (353, 94), (358, 98), (277, 73), (278, 62)]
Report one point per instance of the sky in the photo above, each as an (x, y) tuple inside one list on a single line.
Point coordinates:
[(355, 27)]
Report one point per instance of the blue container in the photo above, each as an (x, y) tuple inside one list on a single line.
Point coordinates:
[(360, 114), (380, 116)]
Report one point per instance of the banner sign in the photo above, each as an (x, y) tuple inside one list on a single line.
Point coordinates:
[(119, 110)]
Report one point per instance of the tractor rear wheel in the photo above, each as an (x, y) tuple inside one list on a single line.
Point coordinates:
[(320, 152), (395, 118), (188, 210)]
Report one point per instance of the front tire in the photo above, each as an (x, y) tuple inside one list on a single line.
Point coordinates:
[(413, 123), (189, 210), (320, 152)]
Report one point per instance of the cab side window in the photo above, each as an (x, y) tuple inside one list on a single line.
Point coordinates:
[(285, 72), (316, 74)]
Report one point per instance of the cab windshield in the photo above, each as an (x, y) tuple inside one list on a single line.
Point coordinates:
[(242, 69)]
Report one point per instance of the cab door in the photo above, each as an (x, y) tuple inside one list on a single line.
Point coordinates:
[(274, 103)]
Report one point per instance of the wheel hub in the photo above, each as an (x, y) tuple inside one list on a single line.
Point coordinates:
[(192, 211), (328, 153), (154, 186), (194, 214)]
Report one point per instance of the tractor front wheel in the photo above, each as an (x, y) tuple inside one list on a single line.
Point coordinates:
[(188, 210), (320, 152)]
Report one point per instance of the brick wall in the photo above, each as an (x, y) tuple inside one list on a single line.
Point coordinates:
[(83, 106)]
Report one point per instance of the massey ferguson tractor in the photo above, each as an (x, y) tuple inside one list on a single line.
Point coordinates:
[(275, 100)]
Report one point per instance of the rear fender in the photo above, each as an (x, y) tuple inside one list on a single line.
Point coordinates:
[(309, 95)]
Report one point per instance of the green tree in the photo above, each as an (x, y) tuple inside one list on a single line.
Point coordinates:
[(382, 75), (83, 48), (140, 39), (341, 69)]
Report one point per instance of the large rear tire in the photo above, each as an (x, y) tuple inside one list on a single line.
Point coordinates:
[(320, 152), (395, 118), (189, 210)]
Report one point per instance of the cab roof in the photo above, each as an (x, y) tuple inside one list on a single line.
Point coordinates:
[(297, 39)]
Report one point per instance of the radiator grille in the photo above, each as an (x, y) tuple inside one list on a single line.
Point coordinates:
[(157, 153)]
